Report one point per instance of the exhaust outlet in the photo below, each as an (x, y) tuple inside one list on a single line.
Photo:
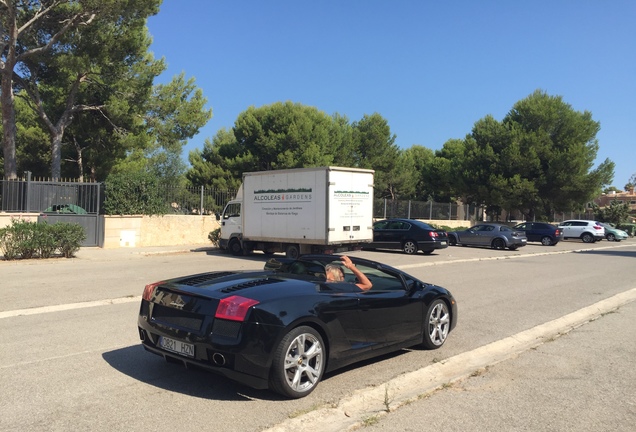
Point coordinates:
[(218, 359)]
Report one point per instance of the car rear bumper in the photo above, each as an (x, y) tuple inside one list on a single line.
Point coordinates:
[(238, 358), (240, 377), (433, 245)]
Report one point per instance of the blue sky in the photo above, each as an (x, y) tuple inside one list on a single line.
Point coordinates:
[(431, 68)]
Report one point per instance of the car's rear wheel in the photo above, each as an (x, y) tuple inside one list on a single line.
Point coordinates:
[(452, 241), (546, 241), (587, 238), (299, 362), (437, 323), (611, 237), (235, 247), (409, 247), (498, 244), (427, 252)]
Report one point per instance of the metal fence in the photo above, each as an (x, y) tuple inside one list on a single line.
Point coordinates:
[(38, 196), (195, 200), (428, 210), (47, 196), (28, 196), (585, 215)]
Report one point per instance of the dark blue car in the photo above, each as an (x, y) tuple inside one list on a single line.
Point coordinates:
[(543, 232), (409, 235)]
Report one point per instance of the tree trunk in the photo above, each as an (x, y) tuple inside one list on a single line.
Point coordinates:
[(6, 100), (56, 154), (8, 129)]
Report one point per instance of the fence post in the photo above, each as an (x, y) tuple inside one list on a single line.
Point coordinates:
[(28, 190), (201, 208), (450, 210), (430, 209), (409, 210), (384, 208)]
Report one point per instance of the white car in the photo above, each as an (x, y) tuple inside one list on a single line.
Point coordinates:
[(587, 230)]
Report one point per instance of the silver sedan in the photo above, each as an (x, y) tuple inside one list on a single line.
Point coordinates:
[(496, 236)]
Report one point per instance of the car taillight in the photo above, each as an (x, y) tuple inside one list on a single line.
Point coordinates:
[(556, 232), (149, 289), (234, 308), (433, 234), (598, 227)]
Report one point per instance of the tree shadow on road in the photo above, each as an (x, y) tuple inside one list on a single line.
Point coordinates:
[(612, 252)]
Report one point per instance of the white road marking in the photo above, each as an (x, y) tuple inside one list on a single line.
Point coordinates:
[(69, 306)]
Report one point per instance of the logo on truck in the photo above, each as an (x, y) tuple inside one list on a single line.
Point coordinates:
[(287, 195)]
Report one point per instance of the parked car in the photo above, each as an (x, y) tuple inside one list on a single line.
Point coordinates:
[(409, 235), (629, 228), (283, 327), (543, 232), (494, 235), (587, 230), (613, 234)]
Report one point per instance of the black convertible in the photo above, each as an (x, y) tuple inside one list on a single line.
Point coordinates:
[(284, 327)]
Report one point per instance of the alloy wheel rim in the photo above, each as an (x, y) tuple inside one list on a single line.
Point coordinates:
[(303, 362)]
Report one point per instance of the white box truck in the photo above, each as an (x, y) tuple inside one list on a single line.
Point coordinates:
[(299, 211)]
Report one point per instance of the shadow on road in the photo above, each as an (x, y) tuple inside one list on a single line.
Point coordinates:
[(148, 368), (613, 252), (151, 369)]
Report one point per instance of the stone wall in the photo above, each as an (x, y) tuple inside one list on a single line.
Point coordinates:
[(168, 230), (5, 218)]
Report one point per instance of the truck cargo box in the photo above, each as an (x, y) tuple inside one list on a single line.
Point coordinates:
[(326, 205)]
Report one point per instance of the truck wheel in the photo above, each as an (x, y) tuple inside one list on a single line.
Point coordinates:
[(235, 247), (292, 251)]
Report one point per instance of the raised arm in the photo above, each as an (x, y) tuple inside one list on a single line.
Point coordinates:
[(363, 281)]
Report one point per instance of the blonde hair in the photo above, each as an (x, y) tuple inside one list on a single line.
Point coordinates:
[(336, 272)]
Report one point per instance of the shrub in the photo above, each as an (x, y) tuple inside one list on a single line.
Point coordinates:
[(214, 236), (18, 240), (69, 238), (46, 240), (24, 239)]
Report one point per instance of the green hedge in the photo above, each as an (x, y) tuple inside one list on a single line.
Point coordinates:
[(23, 239), (133, 194)]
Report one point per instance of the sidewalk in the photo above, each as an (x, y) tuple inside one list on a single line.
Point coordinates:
[(583, 381), (96, 253)]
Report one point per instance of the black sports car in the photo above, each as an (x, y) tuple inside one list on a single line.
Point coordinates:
[(284, 327)]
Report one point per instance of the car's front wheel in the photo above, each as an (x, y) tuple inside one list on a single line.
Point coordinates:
[(437, 325), (611, 237), (587, 238), (546, 241), (452, 241), (409, 247), (299, 362)]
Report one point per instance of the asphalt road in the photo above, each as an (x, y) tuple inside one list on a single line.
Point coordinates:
[(70, 357), (582, 381)]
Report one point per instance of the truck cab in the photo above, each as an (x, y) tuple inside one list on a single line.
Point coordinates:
[(232, 227)]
